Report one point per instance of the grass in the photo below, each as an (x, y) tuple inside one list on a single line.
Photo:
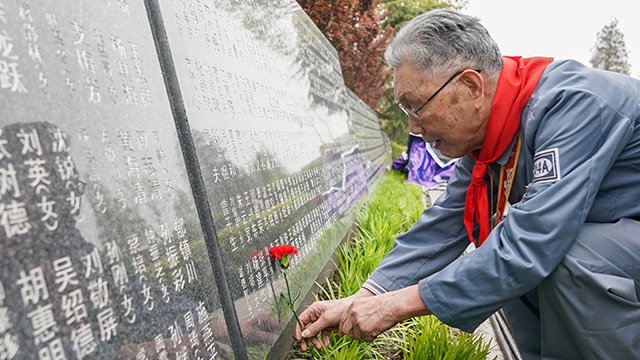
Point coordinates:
[(390, 211), (397, 149)]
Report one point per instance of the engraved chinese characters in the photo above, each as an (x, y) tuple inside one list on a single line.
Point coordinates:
[(286, 152), (102, 254), (363, 124), (102, 248)]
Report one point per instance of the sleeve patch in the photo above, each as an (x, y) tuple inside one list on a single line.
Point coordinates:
[(546, 166)]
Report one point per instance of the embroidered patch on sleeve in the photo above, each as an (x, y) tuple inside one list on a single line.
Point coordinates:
[(546, 166)]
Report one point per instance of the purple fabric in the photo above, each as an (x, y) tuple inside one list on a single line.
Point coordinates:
[(423, 169), (399, 164)]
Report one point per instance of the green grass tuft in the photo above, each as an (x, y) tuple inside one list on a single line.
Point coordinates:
[(397, 149), (390, 211)]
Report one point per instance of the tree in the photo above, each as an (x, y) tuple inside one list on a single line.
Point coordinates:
[(610, 51), (401, 11), (353, 28), (361, 30)]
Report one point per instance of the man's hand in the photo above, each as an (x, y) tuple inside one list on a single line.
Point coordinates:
[(360, 316), (367, 318), (323, 317)]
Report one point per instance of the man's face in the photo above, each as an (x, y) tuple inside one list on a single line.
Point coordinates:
[(450, 122)]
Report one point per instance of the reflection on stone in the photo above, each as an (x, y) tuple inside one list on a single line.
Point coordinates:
[(64, 295), (103, 254), (286, 151), (102, 250)]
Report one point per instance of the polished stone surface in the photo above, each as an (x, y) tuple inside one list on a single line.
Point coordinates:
[(102, 252), (286, 151)]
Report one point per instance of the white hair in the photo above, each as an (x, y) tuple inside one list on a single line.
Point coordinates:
[(444, 41)]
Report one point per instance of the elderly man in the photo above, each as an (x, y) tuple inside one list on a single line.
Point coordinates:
[(557, 140)]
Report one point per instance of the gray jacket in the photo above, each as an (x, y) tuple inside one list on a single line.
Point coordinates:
[(579, 162)]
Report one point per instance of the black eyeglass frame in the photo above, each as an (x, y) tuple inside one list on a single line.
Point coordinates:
[(414, 113)]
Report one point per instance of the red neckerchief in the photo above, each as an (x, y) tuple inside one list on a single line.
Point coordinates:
[(518, 79)]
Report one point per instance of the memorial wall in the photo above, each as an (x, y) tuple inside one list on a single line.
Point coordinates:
[(150, 155)]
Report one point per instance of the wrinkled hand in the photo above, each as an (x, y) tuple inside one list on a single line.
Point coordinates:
[(322, 317), (360, 316), (367, 318)]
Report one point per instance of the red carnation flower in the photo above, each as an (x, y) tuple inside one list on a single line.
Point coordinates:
[(282, 254), (277, 252)]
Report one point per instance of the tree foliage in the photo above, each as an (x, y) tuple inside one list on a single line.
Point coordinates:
[(393, 120), (353, 28), (401, 11), (610, 51), (361, 30)]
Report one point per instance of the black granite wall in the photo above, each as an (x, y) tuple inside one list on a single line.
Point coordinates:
[(150, 154)]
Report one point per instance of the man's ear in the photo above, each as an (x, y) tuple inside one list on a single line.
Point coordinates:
[(474, 85)]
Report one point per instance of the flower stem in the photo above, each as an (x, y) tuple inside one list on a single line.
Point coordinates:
[(293, 310)]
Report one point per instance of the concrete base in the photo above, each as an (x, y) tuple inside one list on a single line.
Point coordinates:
[(489, 337)]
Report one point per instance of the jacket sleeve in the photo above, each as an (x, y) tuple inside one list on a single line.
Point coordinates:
[(586, 135), (432, 243)]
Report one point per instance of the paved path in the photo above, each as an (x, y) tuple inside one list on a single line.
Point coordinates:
[(489, 337)]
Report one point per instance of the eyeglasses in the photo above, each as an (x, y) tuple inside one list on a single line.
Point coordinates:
[(414, 113)]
